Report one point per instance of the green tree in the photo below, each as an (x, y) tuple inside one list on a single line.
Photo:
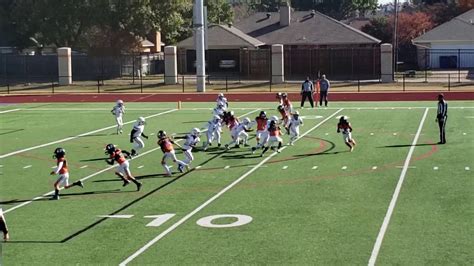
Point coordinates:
[(380, 28)]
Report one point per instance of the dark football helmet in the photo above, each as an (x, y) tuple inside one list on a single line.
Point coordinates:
[(262, 114), (59, 153), (109, 149), (161, 134)]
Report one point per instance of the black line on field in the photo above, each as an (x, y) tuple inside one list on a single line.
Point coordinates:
[(94, 159), (407, 145), (32, 242), (12, 131), (85, 229)]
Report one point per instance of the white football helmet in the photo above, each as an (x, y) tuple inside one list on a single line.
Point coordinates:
[(220, 95), (274, 118), (119, 102), (141, 120), (195, 132), (246, 121)]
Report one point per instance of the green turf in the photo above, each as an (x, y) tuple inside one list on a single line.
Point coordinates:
[(301, 215)]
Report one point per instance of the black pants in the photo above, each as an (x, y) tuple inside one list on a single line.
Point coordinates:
[(442, 129), (323, 94), (309, 95)]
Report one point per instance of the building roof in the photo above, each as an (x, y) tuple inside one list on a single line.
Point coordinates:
[(305, 28), (459, 29), (223, 36)]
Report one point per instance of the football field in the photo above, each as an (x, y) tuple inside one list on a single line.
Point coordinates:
[(398, 198)]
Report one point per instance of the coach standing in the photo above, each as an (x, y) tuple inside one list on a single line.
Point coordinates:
[(441, 118), (307, 90), (324, 86)]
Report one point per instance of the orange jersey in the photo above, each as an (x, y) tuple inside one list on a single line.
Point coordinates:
[(261, 123), (166, 145), (63, 169), (118, 156), (345, 127), (233, 121), (286, 102)]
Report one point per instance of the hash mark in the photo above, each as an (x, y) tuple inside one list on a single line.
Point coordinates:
[(84, 166), (435, 168), (285, 167), (227, 167), (28, 166), (374, 167), (141, 166), (467, 168), (314, 167), (344, 167)]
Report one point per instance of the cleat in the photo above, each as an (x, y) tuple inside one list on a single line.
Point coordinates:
[(278, 151), (261, 155), (79, 183), (218, 145), (253, 150), (246, 145), (351, 149), (187, 167), (55, 197), (237, 146), (133, 152), (139, 186), (227, 147), (180, 168), (125, 183)]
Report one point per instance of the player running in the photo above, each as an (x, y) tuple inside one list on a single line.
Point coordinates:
[(166, 145), (262, 130), (63, 172), (239, 131), (275, 133), (285, 117), (295, 123), (118, 110), (345, 127), (286, 103), (4, 227), (192, 139), (221, 100), (219, 110), (136, 134), (214, 129), (123, 168)]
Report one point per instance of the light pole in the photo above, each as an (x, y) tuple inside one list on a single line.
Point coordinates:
[(198, 25), (395, 38)]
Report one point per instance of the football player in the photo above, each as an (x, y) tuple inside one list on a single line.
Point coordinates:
[(136, 134), (275, 139), (345, 127), (295, 123), (219, 110), (123, 168), (214, 129), (63, 172), (262, 122), (4, 227), (192, 139), (286, 103), (118, 110), (279, 98), (262, 131), (232, 121), (285, 117), (221, 100), (166, 145), (238, 131)]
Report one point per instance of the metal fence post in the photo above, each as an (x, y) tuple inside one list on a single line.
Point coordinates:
[(52, 86), (98, 85), (182, 81), (226, 84), (403, 77), (133, 69), (459, 65), (426, 65), (141, 82), (8, 88), (358, 85)]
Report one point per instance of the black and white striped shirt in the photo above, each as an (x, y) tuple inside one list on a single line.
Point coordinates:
[(442, 109)]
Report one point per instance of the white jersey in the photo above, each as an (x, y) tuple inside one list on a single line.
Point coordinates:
[(295, 123), (214, 125), (190, 142), (138, 130), (118, 110), (222, 101), (218, 111), (241, 128)]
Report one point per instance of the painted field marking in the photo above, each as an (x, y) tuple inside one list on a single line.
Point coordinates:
[(1, 165), (252, 166), (395, 133), (139, 167), (220, 193), (9, 111), (464, 133), (344, 167), (371, 134), (227, 167), (374, 167), (77, 136), (117, 216), (159, 219), (84, 166), (326, 134), (435, 168), (199, 166), (315, 167), (82, 179), (467, 168), (27, 166), (92, 109), (285, 167), (52, 167), (403, 166), (393, 202)]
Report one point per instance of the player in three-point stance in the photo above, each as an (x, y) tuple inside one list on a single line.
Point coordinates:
[(274, 141), (192, 139), (123, 168), (136, 134), (4, 227), (240, 131), (295, 123), (345, 127), (118, 110), (166, 145), (63, 172), (214, 129), (221, 100)]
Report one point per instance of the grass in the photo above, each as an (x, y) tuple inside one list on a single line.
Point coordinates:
[(314, 203)]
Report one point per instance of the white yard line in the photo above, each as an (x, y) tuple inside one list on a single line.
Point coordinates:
[(77, 136), (9, 111), (209, 201), (393, 202), (82, 179)]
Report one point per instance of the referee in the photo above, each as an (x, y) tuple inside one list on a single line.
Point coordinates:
[(307, 90), (441, 118)]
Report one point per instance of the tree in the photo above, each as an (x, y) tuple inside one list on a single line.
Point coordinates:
[(380, 28)]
